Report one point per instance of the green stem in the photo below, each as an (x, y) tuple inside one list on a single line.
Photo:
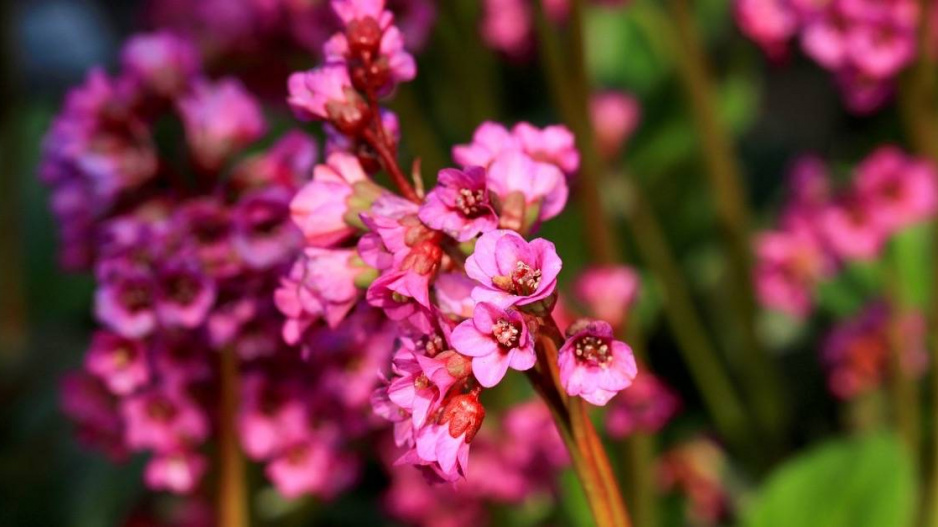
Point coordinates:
[(232, 484), (726, 182), (904, 395), (639, 459)]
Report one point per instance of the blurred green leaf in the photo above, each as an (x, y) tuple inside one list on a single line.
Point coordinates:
[(860, 482), (851, 289), (626, 47)]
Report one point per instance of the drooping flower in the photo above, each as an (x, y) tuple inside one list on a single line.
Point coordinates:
[(593, 365), (120, 362)]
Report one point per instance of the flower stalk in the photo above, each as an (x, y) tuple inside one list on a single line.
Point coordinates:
[(232, 484)]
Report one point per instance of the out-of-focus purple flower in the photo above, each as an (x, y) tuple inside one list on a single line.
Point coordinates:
[(511, 271), (696, 470), (507, 26), (901, 191), (608, 292), (615, 116), (162, 61), (125, 302), (593, 365), (312, 467), (92, 407), (554, 144), (459, 204), (263, 234), (163, 420), (770, 23), (496, 339), (184, 295), (220, 119), (271, 417), (326, 94), (645, 407), (120, 362), (851, 229)]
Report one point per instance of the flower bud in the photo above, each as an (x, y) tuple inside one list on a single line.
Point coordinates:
[(465, 414)]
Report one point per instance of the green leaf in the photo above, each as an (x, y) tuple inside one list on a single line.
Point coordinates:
[(860, 482)]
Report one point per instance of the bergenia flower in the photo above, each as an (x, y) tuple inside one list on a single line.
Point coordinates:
[(120, 362), (511, 271), (528, 191), (608, 292), (496, 339), (459, 205), (161, 61), (593, 364)]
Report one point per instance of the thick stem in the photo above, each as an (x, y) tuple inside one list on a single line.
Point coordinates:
[(232, 485), (389, 162), (586, 452), (726, 182)]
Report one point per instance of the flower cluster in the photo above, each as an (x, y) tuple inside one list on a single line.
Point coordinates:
[(186, 243), (515, 461), (858, 352), (864, 43), (821, 230), (468, 294)]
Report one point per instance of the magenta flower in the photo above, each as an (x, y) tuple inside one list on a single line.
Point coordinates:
[(615, 116), (770, 23), (220, 119), (790, 263), (184, 295), (321, 208), (593, 365), (608, 292), (507, 26), (272, 416), (312, 467), (554, 144), (321, 284), (488, 140), (121, 363), (177, 472), (528, 191), (881, 49), (459, 204), (125, 303), (326, 94), (454, 295), (421, 382), (645, 407), (444, 445), (851, 230), (901, 191), (824, 39), (496, 339), (511, 271), (163, 420), (161, 61), (263, 234)]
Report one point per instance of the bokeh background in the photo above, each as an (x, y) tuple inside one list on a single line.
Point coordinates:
[(776, 111)]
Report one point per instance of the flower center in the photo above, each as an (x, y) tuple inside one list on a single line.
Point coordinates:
[(593, 351), (471, 203), (525, 279), (506, 334)]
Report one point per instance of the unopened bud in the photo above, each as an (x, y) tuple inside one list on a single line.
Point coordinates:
[(465, 414), (458, 366)]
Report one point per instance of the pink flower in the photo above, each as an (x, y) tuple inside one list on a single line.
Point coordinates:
[(770, 23), (351, 10), (272, 416), (121, 363), (220, 119), (321, 284), (851, 230), (444, 445), (459, 204), (511, 271), (488, 140), (863, 94), (124, 302), (528, 191), (507, 26), (326, 94), (161, 61), (263, 234), (496, 339), (901, 191), (312, 467), (177, 472), (553, 144), (881, 49), (824, 39), (615, 116), (645, 407), (163, 420), (790, 263), (184, 295), (593, 364), (453, 295), (321, 208), (608, 292), (421, 382)]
